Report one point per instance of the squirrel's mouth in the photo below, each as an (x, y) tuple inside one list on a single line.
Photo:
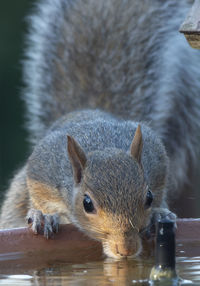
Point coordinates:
[(121, 251)]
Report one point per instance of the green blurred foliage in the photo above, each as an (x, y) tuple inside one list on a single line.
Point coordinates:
[(13, 138)]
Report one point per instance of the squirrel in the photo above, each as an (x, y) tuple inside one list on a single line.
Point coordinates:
[(113, 119)]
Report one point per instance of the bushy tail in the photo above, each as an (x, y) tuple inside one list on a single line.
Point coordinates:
[(123, 56)]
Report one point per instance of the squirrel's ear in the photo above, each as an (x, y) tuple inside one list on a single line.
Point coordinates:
[(77, 158), (136, 145)]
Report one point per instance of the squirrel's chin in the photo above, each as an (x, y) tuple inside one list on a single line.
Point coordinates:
[(111, 254)]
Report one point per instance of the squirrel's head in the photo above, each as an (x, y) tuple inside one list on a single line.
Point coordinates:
[(111, 199)]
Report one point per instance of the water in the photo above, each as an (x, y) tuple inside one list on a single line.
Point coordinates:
[(50, 267), (97, 273)]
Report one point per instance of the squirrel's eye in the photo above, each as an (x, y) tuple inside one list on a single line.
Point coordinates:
[(88, 204), (149, 199)]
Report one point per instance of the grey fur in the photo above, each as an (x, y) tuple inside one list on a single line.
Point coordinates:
[(117, 181), (104, 138), (124, 56)]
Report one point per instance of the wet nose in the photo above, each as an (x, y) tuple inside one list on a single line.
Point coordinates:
[(123, 250)]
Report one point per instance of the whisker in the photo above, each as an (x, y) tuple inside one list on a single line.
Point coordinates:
[(133, 226)]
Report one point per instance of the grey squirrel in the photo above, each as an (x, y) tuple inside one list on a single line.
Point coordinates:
[(107, 172)]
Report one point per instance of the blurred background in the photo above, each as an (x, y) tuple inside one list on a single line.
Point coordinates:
[(14, 147), (13, 137)]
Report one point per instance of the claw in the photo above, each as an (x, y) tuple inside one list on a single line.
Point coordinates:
[(35, 220), (43, 224), (55, 223), (48, 226)]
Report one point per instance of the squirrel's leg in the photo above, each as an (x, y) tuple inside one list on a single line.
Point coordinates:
[(40, 223), (47, 208), (160, 212)]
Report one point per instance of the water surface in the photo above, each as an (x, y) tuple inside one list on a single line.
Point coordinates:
[(43, 269)]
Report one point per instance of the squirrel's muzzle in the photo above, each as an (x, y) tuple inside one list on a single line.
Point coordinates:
[(123, 247)]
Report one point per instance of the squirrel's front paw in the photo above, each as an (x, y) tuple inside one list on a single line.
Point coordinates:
[(157, 215), (43, 223), (162, 213)]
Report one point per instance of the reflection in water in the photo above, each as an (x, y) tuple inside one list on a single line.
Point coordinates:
[(189, 268), (104, 273), (22, 280)]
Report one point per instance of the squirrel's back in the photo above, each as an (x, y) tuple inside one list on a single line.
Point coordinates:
[(123, 56)]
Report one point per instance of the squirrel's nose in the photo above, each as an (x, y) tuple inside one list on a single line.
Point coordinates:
[(123, 250)]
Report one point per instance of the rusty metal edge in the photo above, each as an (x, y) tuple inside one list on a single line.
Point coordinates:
[(23, 240)]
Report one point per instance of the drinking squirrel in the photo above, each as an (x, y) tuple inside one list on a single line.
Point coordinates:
[(113, 119)]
